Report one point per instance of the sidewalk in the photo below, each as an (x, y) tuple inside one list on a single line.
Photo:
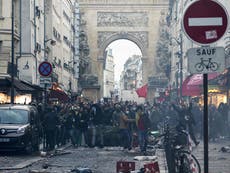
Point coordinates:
[(160, 153)]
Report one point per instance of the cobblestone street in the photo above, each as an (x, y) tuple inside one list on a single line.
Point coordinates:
[(104, 160)]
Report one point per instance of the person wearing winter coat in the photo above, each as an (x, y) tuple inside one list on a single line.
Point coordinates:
[(143, 124)]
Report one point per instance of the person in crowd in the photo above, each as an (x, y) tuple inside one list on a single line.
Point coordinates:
[(63, 135), (223, 110), (143, 124), (73, 122), (198, 117), (83, 125), (108, 111), (186, 120), (96, 122), (124, 127), (50, 125), (228, 123), (214, 123)]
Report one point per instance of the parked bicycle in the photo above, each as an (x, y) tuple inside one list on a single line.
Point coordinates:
[(178, 152), (206, 64)]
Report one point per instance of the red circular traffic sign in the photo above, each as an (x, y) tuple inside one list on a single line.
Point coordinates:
[(45, 68), (205, 21)]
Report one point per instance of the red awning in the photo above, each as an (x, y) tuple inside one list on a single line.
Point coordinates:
[(192, 84), (58, 95)]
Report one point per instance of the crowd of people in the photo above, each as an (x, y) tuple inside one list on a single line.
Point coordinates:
[(85, 123)]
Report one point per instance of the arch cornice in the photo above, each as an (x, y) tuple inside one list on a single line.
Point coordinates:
[(140, 38)]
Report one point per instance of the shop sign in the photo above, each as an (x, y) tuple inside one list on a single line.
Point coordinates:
[(45, 82), (157, 82), (161, 90), (206, 60)]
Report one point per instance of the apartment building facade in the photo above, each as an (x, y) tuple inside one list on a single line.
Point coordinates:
[(44, 30)]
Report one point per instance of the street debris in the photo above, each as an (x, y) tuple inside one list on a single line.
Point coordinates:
[(225, 149), (81, 170), (145, 158)]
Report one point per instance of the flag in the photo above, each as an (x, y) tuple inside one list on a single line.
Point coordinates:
[(142, 92)]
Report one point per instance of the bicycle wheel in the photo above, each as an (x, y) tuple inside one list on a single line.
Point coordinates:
[(199, 67), (189, 163), (214, 66)]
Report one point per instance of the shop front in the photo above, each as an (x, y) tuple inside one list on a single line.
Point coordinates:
[(57, 95), (217, 91), (216, 95), (24, 92)]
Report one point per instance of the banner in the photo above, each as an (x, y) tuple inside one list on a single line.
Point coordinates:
[(142, 92)]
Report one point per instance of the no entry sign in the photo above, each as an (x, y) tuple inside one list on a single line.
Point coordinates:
[(205, 21), (45, 68)]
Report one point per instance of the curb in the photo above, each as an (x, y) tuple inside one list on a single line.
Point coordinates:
[(33, 160)]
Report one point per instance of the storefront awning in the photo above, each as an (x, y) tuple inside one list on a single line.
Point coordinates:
[(58, 95), (192, 84), (5, 84)]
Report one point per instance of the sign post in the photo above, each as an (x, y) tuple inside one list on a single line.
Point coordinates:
[(205, 22), (45, 69)]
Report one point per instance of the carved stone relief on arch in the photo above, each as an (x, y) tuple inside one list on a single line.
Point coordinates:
[(139, 37), (122, 19)]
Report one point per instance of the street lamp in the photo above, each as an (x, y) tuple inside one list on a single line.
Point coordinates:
[(12, 53), (52, 42), (180, 55)]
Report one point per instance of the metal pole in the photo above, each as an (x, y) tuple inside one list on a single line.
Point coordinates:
[(20, 8), (177, 79), (44, 99), (181, 64), (12, 54), (44, 41), (205, 122), (35, 40)]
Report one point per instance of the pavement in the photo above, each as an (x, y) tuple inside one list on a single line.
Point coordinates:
[(103, 160), (218, 158), (160, 153), (33, 159)]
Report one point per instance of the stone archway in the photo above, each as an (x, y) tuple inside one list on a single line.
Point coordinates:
[(139, 38), (105, 21), (105, 38)]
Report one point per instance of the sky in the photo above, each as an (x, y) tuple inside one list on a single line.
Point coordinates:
[(122, 49)]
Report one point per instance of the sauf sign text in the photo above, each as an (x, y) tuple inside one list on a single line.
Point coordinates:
[(206, 60)]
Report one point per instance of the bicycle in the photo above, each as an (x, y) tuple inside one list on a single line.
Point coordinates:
[(178, 154), (185, 161), (208, 64)]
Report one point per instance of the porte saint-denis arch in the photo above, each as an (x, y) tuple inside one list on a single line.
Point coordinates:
[(105, 21)]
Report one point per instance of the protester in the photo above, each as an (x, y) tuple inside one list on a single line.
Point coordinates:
[(96, 125), (83, 125), (186, 120), (50, 125), (143, 124), (124, 127)]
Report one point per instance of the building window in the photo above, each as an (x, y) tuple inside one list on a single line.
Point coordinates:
[(0, 8), (0, 46)]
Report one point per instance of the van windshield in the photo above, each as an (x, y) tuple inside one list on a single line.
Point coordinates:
[(13, 116)]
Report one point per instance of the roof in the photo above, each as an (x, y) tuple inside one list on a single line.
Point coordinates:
[(16, 106), (18, 84)]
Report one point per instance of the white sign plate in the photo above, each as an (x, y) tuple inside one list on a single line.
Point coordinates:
[(206, 60), (45, 82)]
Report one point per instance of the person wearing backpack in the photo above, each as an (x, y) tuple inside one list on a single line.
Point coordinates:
[(143, 124)]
